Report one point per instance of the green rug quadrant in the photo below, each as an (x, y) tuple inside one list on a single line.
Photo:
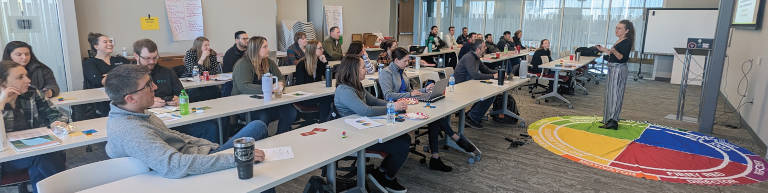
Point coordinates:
[(627, 130)]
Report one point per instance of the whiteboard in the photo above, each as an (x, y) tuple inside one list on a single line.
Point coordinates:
[(670, 28)]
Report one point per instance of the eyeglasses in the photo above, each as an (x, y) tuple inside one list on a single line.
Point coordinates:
[(148, 85)]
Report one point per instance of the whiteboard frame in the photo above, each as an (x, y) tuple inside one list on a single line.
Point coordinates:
[(645, 27)]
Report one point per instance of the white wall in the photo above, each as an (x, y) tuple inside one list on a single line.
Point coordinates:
[(748, 45), (363, 16), (119, 19)]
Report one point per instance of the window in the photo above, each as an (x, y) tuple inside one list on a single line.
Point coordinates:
[(566, 23)]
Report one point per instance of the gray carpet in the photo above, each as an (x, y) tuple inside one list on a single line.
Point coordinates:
[(531, 168)]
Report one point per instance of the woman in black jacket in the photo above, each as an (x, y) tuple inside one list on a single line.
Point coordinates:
[(536, 59), (95, 68), (40, 74), (311, 68)]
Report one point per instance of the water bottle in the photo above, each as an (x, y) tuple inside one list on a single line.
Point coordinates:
[(390, 112), (523, 69), (125, 52), (440, 63), (501, 76), (266, 86), (196, 73), (184, 102), (328, 77), (451, 83), (429, 43), (417, 66), (381, 67), (506, 48)]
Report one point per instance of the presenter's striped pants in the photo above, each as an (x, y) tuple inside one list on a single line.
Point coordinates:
[(614, 91)]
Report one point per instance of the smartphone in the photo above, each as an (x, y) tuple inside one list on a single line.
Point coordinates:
[(257, 96)]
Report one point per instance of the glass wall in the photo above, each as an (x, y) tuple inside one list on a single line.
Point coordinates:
[(43, 19), (566, 23), (503, 15)]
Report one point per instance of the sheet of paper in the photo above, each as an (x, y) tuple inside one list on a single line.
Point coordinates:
[(29, 133), (167, 117), (363, 123), (165, 109), (278, 153), (185, 17)]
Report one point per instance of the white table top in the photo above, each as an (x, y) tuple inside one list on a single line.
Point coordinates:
[(67, 142), (442, 51), (568, 65), (94, 95), (503, 56), (220, 107), (287, 70), (466, 94), (374, 49), (310, 153)]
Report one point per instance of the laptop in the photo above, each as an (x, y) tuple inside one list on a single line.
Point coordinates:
[(437, 92), (415, 50)]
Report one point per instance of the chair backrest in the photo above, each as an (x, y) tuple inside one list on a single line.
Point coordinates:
[(448, 71), (426, 75), (544, 59), (91, 175)]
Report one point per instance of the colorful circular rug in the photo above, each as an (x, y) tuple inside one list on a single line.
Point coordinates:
[(649, 151)]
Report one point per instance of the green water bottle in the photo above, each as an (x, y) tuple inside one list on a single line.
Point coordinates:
[(184, 102)]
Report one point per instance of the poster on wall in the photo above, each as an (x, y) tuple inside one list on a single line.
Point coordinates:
[(333, 17), (185, 18)]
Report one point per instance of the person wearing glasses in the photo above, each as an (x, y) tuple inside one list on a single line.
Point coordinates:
[(311, 68), (168, 89), (23, 108), (395, 85), (133, 132)]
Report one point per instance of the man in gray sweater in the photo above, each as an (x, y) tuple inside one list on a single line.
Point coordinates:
[(470, 67), (134, 132)]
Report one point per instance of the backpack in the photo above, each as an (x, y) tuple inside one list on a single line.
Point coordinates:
[(511, 106), (588, 51)]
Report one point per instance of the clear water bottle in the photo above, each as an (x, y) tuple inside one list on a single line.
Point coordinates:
[(196, 73), (381, 67), (391, 112), (506, 48), (451, 83), (183, 103), (125, 52)]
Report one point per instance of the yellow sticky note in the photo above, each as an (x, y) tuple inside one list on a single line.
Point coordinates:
[(74, 134), (149, 23)]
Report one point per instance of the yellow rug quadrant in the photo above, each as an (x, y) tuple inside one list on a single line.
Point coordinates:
[(594, 147)]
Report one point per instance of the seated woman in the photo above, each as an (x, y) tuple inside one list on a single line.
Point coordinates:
[(395, 85), (246, 79), (350, 98), (356, 49), (94, 70), (536, 59), (41, 76), (24, 108), (311, 68), (202, 56)]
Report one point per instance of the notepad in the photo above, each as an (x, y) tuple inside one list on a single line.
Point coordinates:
[(31, 139), (278, 153), (363, 123)]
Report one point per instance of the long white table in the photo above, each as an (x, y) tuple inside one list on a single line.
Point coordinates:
[(568, 65), (311, 152), (221, 107), (95, 95)]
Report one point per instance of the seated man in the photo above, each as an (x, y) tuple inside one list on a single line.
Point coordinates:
[(168, 89), (471, 68), (133, 132)]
